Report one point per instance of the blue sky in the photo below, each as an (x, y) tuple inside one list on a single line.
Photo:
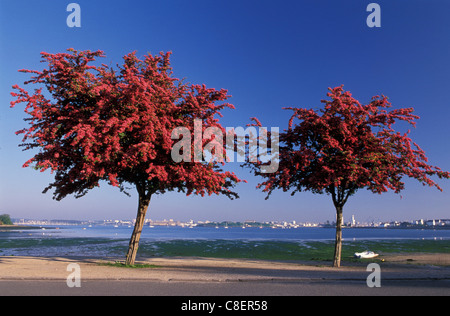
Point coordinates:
[(268, 54)]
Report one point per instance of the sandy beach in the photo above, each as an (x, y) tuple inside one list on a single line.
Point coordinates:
[(401, 274), (408, 266)]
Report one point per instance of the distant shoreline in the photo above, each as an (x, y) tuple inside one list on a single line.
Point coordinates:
[(444, 227), (223, 224), (17, 227)]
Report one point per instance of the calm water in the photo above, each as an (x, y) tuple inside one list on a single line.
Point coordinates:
[(259, 243)]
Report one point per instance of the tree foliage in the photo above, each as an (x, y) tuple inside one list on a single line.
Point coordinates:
[(5, 219), (347, 146), (115, 125)]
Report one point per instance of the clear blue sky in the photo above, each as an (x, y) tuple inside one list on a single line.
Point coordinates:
[(268, 54)]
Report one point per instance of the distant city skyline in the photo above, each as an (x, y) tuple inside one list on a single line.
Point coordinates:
[(267, 55), (353, 221), (417, 223)]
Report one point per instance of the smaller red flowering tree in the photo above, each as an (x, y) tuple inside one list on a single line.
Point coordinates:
[(344, 147), (116, 125)]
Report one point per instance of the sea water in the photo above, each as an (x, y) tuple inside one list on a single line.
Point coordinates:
[(303, 243)]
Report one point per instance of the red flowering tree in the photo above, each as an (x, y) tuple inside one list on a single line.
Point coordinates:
[(97, 123), (344, 147)]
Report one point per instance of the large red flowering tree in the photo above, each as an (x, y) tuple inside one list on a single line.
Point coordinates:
[(97, 123), (344, 147)]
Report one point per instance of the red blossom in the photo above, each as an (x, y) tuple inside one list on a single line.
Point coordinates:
[(111, 124), (347, 146)]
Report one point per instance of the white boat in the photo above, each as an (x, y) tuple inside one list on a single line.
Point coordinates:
[(366, 254)]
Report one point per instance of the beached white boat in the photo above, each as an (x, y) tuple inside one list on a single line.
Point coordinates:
[(366, 254)]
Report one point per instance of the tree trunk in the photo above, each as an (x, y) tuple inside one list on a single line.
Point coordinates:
[(144, 201), (338, 241)]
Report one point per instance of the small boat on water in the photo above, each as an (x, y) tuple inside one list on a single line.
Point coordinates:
[(366, 254)]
